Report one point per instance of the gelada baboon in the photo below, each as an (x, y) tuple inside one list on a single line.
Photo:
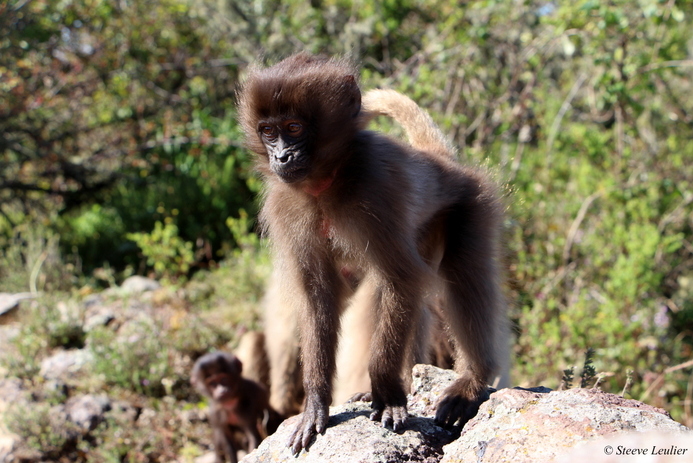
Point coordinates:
[(338, 198), (252, 353), (238, 407)]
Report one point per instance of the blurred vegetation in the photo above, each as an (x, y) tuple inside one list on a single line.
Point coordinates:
[(120, 154)]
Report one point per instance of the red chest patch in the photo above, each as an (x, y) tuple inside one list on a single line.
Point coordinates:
[(325, 227), (318, 187)]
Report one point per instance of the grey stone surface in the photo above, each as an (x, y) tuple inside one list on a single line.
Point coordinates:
[(514, 425)]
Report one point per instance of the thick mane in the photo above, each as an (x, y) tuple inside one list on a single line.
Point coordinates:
[(323, 90)]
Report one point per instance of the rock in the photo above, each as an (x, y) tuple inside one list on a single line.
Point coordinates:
[(87, 411), (113, 308), (138, 284), (514, 425), (428, 383), (351, 436), (11, 392), (525, 426), (65, 363), (8, 444), (9, 301), (97, 315)]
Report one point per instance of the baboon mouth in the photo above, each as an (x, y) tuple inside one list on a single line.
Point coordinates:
[(292, 175)]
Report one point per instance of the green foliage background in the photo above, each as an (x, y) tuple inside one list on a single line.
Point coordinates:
[(120, 152)]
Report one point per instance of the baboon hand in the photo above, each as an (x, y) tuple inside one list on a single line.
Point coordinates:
[(390, 415), (314, 422), (455, 407)]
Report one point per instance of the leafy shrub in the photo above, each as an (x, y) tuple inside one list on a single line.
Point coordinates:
[(30, 257), (191, 335), (138, 359), (23, 358), (237, 285), (43, 428), (249, 262), (166, 252), (45, 323), (159, 433)]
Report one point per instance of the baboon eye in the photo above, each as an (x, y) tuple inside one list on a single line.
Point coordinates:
[(267, 131), (294, 129)]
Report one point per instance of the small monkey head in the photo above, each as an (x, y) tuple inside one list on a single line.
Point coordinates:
[(300, 115), (217, 375)]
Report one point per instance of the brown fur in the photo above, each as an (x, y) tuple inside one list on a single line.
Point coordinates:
[(252, 353), (239, 413), (410, 218), (283, 349)]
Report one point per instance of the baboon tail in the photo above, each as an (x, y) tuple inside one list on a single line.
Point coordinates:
[(422, 132)]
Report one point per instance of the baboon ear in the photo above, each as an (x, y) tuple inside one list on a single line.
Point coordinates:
[(238, 365), (355, 95)]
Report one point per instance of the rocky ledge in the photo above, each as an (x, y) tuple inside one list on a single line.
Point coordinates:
[(515, 425)]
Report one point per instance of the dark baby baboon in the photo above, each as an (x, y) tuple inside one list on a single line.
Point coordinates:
[(238, 407), (410, 219)]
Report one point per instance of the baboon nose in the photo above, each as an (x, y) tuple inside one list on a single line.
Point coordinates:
[(284, 157)]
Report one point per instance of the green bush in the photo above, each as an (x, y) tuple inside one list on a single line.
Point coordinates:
[(138, 360), (30, 257), (166, 252), (43, 428), (46, 323), (159, 434)]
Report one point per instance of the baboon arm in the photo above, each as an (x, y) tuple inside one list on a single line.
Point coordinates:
[(319, 327), (222, 444)]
